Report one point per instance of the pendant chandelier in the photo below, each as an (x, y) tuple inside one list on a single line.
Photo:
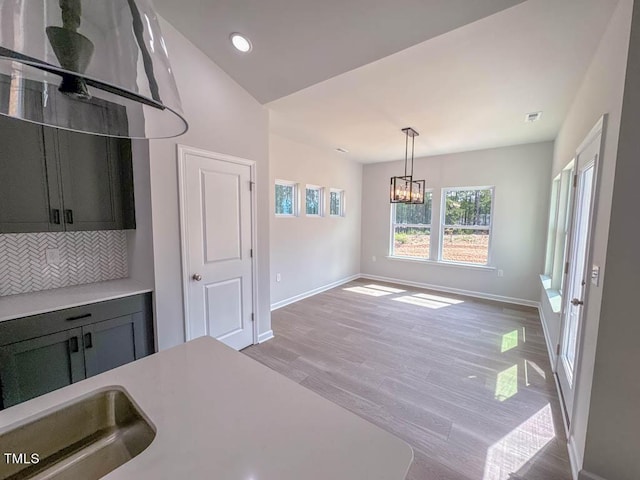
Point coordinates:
[(405, 189), (97, 67)]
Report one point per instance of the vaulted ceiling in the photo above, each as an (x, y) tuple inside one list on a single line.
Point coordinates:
[(351, 74)]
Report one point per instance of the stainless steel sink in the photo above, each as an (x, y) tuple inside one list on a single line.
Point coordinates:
[(81, 441)]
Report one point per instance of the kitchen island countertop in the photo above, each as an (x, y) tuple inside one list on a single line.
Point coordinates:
[(220, 415)]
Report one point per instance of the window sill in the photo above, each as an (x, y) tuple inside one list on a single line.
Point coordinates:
[(554, 297), (441, 263)]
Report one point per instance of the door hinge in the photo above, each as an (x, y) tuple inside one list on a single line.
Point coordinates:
[(558, 349), (251, 186), (253, 319), (251, 253), (575, 181), (566, 268)]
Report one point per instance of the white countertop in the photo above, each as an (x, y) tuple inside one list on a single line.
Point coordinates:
[(220, 415), (26, 304)]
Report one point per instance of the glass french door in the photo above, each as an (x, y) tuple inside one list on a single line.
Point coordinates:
[(575, 288)]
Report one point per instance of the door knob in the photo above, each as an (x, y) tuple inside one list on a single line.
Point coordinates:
[(197, 277), (576, 302)]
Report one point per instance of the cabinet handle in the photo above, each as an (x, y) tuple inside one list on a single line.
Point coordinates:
[(55, 216), (88, 341), (68, 215), (79, 317), (73, 345)]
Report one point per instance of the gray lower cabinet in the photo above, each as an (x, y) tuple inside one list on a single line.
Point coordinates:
[(37, 366), (69, 345)]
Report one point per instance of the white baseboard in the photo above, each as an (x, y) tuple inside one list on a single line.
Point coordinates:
[(311, 293), (458, 291), (263, 337), (551, 349)]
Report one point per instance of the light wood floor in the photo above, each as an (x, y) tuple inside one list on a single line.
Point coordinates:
[(467, 383)]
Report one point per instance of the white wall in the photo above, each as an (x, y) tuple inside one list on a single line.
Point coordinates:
[(308, 252), (222, 118), (613, 433), (601, 92), (520, 175)]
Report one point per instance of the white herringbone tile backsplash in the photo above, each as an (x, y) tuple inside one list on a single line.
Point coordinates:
[(85, 257)]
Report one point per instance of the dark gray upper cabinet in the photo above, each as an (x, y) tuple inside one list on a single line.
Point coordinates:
[(54, 180), (29, 188)]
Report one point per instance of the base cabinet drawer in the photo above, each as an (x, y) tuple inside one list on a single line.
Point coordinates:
[(35, 366)]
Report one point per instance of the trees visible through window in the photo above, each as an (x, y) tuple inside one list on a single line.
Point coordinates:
[(336, 203), (314, 201), (466, 226), (286, 198), (411, 229)]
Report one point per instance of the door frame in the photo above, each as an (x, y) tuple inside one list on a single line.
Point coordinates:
[(599, 129), (182, 151)]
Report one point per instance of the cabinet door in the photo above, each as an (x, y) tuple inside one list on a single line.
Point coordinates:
[(91, 181), (115, 342), (37, 366), (29, 192)]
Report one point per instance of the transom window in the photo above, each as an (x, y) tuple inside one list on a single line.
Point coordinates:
[(314, 201), (336, 203), (411, 229), (286, 196), (466, 225)]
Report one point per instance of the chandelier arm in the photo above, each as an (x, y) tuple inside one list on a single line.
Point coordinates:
[(406, 152)]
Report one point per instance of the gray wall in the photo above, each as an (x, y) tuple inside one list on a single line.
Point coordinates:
[(613, 433), (140, 240), (222, 118), (328, 247), (520, 175), (601, 92)]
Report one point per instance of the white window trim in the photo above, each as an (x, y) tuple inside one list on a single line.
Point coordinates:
[(443, 226), (418, 225), (296, 198), (321, 201), (342, 206)]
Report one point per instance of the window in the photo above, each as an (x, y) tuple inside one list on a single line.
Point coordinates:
[(466, 225), (314, 201), (411, 229), (336, 203), (559, 225), (286, 198)]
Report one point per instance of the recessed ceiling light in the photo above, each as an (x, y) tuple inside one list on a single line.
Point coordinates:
[(241, 42), (342, 150), (532, 117)]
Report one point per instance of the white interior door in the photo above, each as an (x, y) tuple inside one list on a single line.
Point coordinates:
[(576, 284), (216, 215)]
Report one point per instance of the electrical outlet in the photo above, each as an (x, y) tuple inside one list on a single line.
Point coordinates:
[(501, 273), (278, 277), (374, 259), (52, 256)]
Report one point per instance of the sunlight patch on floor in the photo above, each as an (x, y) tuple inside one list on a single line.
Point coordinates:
[(513, 451), (367, 291), (438, 298), (385, 288), (421, 302), (536, 368), (509, 341), (507, 383)]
